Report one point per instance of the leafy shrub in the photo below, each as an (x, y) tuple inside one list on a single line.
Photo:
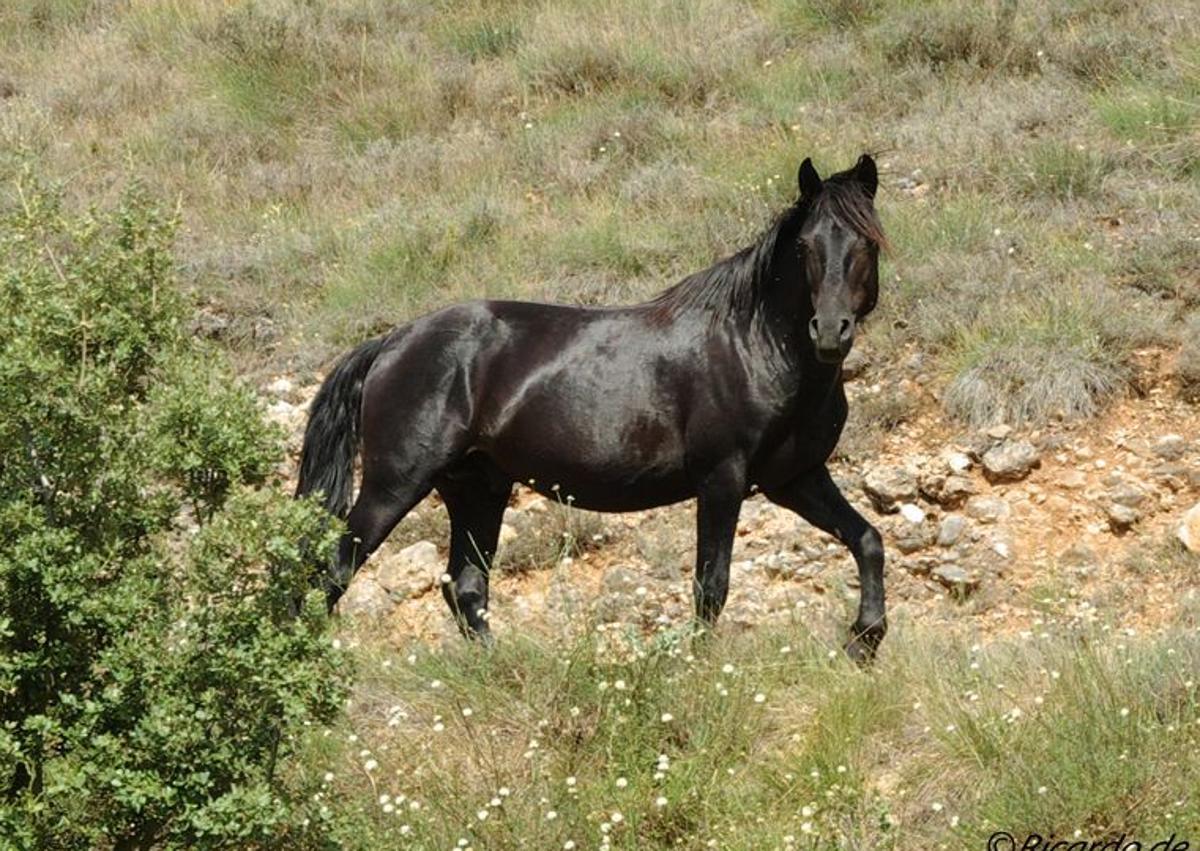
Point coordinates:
[(152, 685), (208, 449)]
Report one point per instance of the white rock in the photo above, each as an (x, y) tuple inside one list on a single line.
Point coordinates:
[(952, 528), (281, 386), (283, 413), (410, 572), (957, 461), (1189, 528), (912, 513), (1010, 461), (365, 597)]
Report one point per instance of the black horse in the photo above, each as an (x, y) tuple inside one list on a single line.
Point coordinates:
[(728, 382)]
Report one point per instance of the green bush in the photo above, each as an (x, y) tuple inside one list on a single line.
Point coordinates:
[(153, 679), (207, 449)]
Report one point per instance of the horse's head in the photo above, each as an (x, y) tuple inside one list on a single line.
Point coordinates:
[(839, 242)]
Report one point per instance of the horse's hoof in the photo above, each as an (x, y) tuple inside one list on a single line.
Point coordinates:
[(864, 642), (861, 653)]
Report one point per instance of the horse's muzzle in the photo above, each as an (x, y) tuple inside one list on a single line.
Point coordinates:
[(832, 337)]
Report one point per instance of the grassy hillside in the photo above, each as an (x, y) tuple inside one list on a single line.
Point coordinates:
[(343, 166)]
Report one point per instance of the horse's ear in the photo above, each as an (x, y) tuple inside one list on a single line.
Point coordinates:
[(866, 174), (810, 181)]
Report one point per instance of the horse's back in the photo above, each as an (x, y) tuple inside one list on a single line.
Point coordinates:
[(585, 398)]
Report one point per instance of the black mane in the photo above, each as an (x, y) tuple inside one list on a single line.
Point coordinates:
[(735, 285)]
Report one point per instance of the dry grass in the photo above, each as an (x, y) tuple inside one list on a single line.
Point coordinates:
[(344, 166)]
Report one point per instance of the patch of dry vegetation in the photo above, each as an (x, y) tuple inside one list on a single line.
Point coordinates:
[(344, 166)]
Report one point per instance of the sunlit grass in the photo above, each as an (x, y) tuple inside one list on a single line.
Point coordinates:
[(612, 151), (746, 741)]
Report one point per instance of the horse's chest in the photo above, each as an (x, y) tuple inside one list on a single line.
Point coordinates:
[(806, 441)]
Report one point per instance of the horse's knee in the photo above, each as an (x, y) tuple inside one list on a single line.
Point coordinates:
[(869, 547)]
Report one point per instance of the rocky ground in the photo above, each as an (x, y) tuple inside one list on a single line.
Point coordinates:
[(992, 531)]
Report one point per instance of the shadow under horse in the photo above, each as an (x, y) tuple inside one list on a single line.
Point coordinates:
[(726, 383)]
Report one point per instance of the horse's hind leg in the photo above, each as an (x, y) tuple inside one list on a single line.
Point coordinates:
[(476, 494), (387, 495)]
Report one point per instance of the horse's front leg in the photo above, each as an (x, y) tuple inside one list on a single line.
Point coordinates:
[(816, 498), (719, 498)]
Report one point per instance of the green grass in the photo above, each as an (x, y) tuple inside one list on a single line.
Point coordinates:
[(748, 740), (345, 166)]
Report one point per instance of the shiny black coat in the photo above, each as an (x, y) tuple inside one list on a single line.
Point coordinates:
[(727, 383)]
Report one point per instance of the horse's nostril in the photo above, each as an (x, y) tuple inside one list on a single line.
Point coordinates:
[(813, 329), (846, 326)]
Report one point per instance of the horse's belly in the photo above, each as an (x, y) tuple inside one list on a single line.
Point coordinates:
[(585, 479), (593, 465)]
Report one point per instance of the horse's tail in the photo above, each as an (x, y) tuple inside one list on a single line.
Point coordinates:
[(332, 436)]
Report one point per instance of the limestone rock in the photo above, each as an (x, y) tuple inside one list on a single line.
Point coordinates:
[(1127, 494), (1073, 480), (282, 387), (1010, 461), (628, 597), (1189, 528), (888, 486), (987, 509), (1169, 447), (947, 491), (855, 364), (958, 462), (916, 539), (410, 572), (365, 596), (951, 530), (955, 578)]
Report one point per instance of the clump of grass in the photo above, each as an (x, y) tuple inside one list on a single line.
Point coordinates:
[(545, 538), (486, 39), (1052, 356), (1160, 557), (1165, 266), (800, 19), (683, 54), (986, 36), (1062, 171), (1140, 112), (1187, 361), (1160, 119)]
